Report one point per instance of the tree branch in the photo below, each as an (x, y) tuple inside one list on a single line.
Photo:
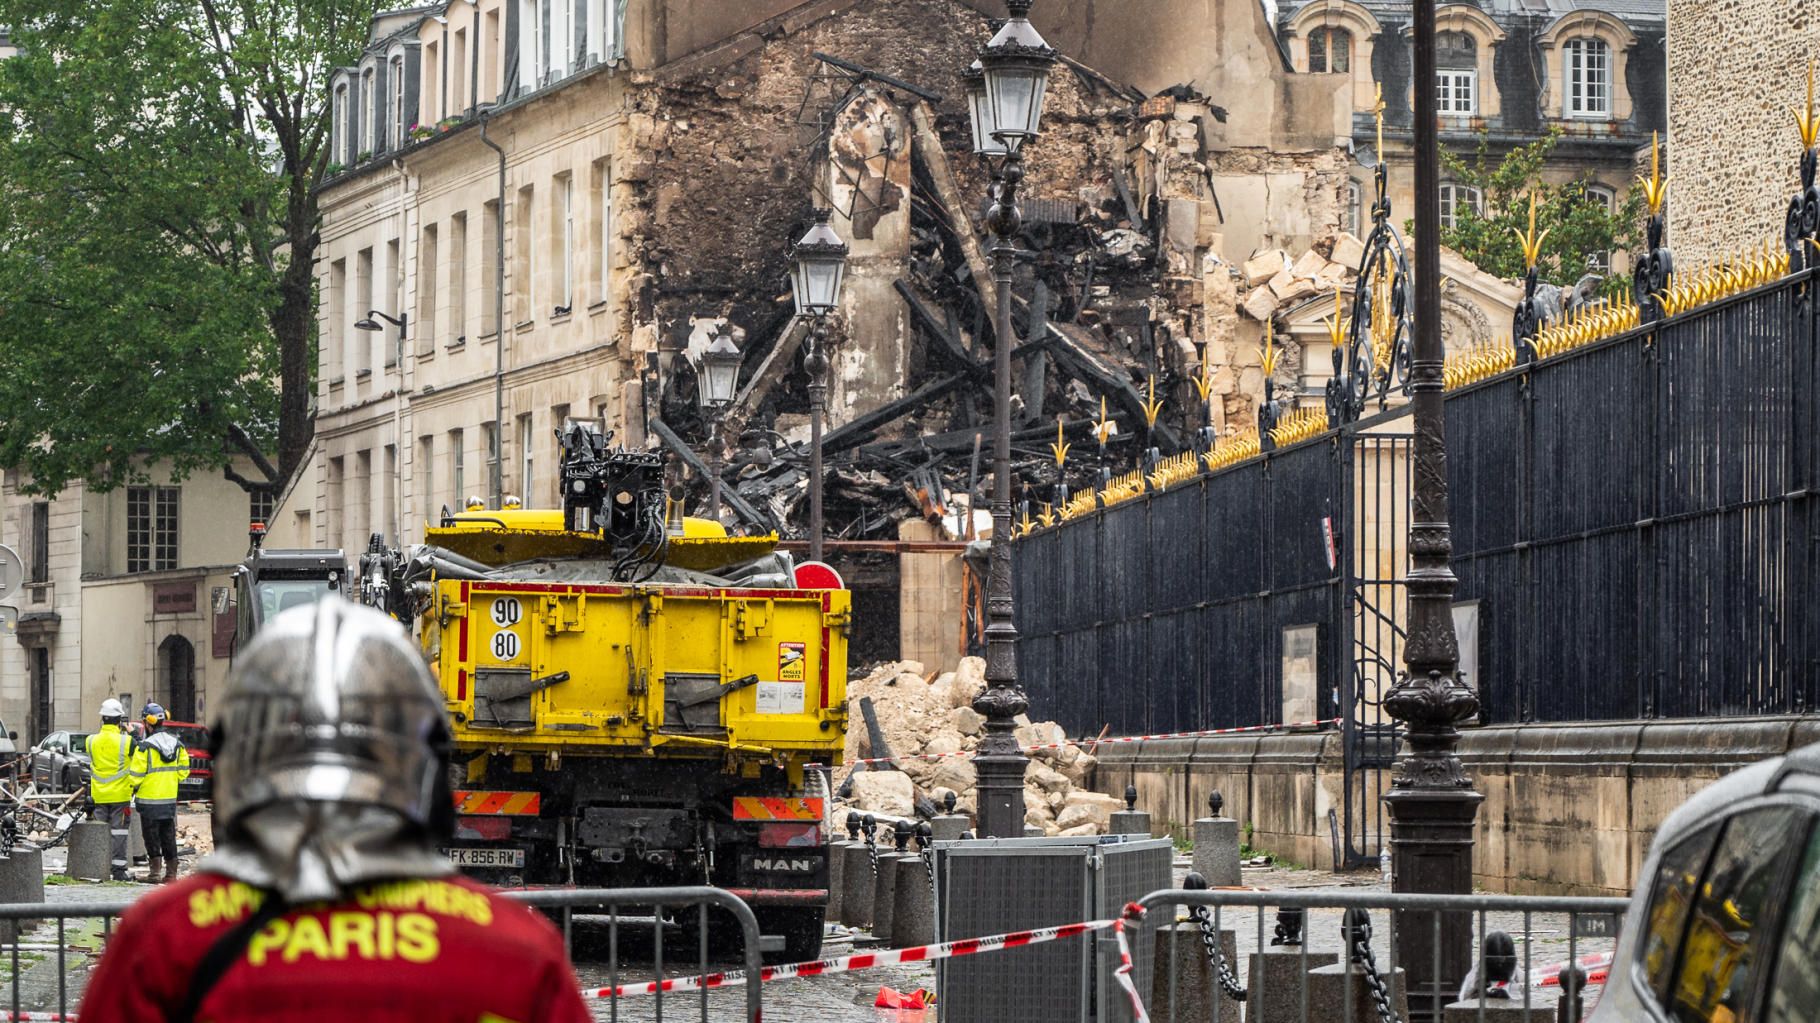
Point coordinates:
[(239, 439)]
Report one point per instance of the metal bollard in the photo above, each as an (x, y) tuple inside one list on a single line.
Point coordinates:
[(949, 826), (1573, 987)]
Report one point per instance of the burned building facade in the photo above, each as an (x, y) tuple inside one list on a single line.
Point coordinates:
[(604, 206)]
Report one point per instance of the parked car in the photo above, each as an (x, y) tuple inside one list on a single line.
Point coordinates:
[(1725, 921), (60, 761), (201, 782)]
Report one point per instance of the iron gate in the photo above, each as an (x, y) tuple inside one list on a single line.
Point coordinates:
[(1375, 455)]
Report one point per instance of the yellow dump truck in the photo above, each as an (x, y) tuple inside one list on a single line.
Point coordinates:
[(635, 700)]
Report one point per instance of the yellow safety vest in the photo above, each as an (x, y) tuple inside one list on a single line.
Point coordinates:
[(157, 777), (110, 765)]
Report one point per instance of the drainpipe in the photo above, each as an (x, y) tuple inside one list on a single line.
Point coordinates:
[(499, 315), (407, 237)]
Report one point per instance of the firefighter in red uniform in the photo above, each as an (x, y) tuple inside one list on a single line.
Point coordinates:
[(325, 898)]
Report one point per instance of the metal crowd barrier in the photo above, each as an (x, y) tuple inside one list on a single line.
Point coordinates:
[(29, 987), (1562, 945)]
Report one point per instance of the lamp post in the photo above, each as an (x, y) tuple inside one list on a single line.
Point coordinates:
[(1005, 99), (1432, 803), (714, 389), (818, 266)]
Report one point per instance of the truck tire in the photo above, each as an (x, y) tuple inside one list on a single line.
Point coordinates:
[(71, 781), (801, 929)]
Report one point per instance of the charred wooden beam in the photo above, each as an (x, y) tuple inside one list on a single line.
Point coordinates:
[(857, 429), (687, 454)]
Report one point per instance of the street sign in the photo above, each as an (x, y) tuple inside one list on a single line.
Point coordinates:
[(12, 572)]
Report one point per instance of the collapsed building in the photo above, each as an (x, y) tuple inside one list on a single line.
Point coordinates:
[(571, 226)]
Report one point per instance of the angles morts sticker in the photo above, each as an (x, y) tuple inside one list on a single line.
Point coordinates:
[(792, 662)]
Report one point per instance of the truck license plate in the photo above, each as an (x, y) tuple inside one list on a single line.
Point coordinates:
[(488, 858)]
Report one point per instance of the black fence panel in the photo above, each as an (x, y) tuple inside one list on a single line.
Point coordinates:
[(1637, 521)]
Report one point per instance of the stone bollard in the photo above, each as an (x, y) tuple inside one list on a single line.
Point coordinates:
[(1333, 990), (837, 866), (1276, 977), (856, 877), (949, 826), (1503, 1010), (1216, 846), (1181, 960), (1130, 820), (91, 851), (135, 840), (1571, 1008), (884, 886), (21, 881), (913, 912)]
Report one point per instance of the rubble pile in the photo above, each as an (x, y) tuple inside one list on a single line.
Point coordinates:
[(1273, 281), (929, 726)]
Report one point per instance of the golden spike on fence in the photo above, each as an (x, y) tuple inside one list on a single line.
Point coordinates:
[(1151, 405), (1203, 383), (1531, 242), (1048, 516), (1806, 122), (1655, 190), (1102, 429), (1338, 323), (1060, 448), (1267, 354)]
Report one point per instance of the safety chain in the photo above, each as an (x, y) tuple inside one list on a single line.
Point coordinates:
[(925, 848), (1229, 981), (870, 826), (1210, 939), (1356, 928)]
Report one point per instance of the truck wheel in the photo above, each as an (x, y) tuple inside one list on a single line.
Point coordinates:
[(801, 930), (70, 782)]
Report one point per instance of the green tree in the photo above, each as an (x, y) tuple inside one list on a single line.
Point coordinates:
[(1578, 225), (158, 226)]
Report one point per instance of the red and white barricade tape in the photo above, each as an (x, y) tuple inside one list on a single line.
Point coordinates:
[(1597, 966), (895, 957), (1114, 740), (39, 1017)]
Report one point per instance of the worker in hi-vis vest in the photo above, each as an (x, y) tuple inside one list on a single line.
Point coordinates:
[(110, 779), (161, 763)]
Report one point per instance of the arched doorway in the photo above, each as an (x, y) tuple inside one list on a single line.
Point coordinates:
[(177, 677)]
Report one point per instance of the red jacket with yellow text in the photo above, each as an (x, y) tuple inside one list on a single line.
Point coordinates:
[(446, 949)]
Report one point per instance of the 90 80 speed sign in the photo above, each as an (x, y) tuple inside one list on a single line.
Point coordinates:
[(506, 613)]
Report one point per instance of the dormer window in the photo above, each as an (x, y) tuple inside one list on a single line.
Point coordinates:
[(338, 145), (1589, 79), (1329, 50), (1456, 75), (395, 84), (369, 111)]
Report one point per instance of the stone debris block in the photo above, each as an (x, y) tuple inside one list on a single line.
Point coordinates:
[(1309, 265), (1260, 304), (1348, 251), (1297, 290), (884, 792), (1331, 276), (1095, 808), (1282, 282), (1263, 266)]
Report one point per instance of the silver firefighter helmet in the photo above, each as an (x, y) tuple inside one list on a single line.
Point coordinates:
[(330, 703)]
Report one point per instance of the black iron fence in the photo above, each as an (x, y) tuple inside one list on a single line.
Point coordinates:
[(1636, 533)]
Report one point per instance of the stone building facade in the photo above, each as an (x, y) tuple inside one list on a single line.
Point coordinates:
[(126, 595), (1735, 158), (1509, 71)]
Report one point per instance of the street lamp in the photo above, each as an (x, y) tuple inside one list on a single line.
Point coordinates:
[(1006, 105), (1432, 803), (818, 266), (368, 323), (714, 388)]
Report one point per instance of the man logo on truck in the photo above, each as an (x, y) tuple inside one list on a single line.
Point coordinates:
[(784, 866)]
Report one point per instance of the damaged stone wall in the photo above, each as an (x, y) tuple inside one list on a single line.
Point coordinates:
[(1138, 212)]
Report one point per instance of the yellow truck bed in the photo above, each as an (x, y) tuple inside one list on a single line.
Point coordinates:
[(651, 669)]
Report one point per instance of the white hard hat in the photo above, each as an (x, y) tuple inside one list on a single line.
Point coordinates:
[(111, 708)]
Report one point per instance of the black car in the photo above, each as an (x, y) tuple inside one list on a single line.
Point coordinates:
[(60, 761)]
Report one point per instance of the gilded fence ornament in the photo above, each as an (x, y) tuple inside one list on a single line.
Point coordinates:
[(1527, 319), (1655, 265), (1374, 361)]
